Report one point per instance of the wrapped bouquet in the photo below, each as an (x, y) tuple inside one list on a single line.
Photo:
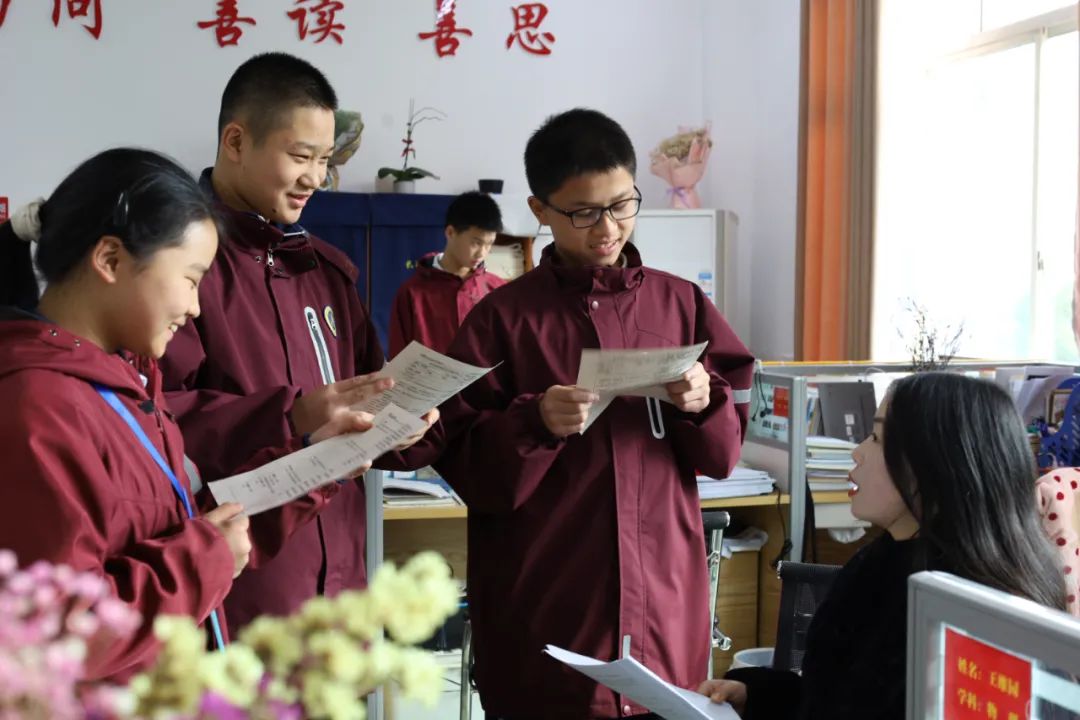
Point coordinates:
[(680, 160)]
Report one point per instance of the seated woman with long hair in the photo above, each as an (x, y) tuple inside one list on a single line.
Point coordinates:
[(948, 475)]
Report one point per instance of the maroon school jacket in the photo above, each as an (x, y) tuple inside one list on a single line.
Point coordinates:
[(582, 541), (80, 489), (280, 316), (431, 304)]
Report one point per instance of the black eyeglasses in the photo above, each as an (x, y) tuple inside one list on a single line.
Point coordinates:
[(583, 218)]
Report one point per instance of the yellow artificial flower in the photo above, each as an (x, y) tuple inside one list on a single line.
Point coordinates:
[(327, 656), (420, 676), (318, 613), (415, 601), (340, 655), (359, 616), (382, 662), (275, 642), (234, 674)]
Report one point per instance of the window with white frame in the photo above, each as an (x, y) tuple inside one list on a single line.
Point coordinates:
[(976, 195)]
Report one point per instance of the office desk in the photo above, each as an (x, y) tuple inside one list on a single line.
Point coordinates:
[(408, 530)]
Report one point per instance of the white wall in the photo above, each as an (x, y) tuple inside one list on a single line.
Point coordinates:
[(154, 79), (751, 60)]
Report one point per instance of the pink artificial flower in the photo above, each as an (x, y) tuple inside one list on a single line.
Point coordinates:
[(20, 583), (83, 624), (8, 563), (117, 615), (89, 586)]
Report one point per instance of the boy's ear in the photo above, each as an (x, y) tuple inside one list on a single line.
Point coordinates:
[(450, 233), (539, 210), (232, 141)]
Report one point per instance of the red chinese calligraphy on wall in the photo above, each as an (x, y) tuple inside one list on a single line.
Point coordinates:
[(89, 9), (227, 23), (324, 25), (527, 19), (982, 682), (445, 29), (3, 10)]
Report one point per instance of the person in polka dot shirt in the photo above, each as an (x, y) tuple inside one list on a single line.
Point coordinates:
[(1057, 491)]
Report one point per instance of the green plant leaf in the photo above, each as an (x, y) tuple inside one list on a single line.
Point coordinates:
[(416, 173)]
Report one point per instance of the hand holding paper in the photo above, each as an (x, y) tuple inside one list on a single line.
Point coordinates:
[(640, 373), (314, 409), (690, 393), (422, 379), (729, 691), (630, 678), (232, 523), (295, 475), (430, 418), (565, 409)]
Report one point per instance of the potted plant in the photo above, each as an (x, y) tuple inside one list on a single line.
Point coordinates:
[(348, 127), (931, 346), (405, 178)]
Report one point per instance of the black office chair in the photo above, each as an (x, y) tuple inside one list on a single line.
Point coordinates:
[(803, 586)]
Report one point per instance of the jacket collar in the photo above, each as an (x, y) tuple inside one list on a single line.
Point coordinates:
[(625, 275), (287, 248)]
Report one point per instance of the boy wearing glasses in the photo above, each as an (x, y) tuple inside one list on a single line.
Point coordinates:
[(590, 541)]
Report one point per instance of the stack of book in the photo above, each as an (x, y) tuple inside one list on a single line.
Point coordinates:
[(411, 492), (828, 462), (742, 481)]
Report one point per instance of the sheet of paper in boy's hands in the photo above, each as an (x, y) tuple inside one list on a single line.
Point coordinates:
[(423, 379), (642, 373), (630, 678), (297, 474)]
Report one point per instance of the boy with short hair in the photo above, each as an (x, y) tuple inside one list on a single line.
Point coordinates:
[(430, 306), (589, 541), (283, 337)]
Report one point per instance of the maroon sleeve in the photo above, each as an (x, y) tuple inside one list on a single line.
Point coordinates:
[(497, 448), (62, 510), (401, 320), (712, 439), (209, 418)]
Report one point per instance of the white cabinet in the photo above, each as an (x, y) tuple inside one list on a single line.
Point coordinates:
[(693, 244)]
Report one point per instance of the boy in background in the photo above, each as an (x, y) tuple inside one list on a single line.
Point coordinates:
[(430, 306)]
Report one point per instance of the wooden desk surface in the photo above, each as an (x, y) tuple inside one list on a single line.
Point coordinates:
[(444, 529), (421, 512)]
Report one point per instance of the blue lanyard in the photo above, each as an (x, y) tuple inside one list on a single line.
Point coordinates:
[(123, 412)]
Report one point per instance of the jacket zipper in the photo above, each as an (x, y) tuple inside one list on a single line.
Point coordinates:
[(656, 418), (322, 352)]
